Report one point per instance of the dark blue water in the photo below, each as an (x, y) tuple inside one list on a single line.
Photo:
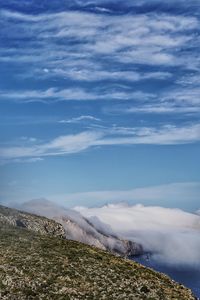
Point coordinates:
[(186, 276)]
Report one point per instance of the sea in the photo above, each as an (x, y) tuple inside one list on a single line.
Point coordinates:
[(189, 277)]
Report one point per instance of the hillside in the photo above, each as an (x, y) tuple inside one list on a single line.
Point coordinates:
[(32, 222), (41, 265)]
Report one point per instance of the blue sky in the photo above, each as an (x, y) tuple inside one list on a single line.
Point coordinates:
[(100, 101)]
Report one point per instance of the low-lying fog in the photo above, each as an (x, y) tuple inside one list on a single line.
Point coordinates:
[(171, 235)]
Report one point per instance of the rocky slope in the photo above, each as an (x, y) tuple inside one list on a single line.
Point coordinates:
[(43, 266), (80, 229), (38, 224)]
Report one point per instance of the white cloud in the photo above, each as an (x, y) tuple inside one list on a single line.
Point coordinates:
[(184, 100), (28, 160), (164, 108), (100, 40), (184, 96), (94, 73), (166, 135), (177, 100), (172, 235), (28, 139), (49, 95), (76, 94), (61, 145), (74, 143), (79, 119), (125, 38), (188, 80)]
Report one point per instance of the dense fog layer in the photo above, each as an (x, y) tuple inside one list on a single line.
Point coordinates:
[(172, 235)]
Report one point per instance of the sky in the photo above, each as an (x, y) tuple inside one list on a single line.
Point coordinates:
[(100, 102)]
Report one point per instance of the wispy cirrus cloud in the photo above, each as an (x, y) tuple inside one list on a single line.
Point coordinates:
[(165, 135), (187, 95), (79, 45), (114, 136), (173, 109), (73, 94), (68, 35), (94, 73), (165, 108), (61, 145), (79, 119), (178, 100)]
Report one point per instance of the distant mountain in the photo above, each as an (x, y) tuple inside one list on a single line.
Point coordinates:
[(37, 262), (80, 229)]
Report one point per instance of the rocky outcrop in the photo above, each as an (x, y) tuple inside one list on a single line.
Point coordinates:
[(35, 223), (91, 236)]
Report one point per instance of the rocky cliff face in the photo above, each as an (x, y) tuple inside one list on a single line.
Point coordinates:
[(91, 236), (80, 229)]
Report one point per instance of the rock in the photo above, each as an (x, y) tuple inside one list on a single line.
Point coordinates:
[(35, 223)]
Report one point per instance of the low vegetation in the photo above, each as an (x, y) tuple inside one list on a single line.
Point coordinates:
[(40, 266)]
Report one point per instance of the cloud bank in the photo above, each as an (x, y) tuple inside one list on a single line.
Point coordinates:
[(172, 235)]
